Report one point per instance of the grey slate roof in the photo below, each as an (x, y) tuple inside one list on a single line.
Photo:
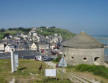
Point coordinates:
[(82, 40)]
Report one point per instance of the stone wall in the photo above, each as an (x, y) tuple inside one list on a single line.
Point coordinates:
[(84, 56)]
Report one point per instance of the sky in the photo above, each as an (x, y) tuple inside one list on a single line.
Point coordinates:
[(90, 16)]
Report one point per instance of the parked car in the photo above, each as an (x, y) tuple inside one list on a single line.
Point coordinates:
[(47, 58)]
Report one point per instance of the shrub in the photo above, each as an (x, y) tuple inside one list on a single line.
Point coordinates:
[(97, 70), (57, 59)]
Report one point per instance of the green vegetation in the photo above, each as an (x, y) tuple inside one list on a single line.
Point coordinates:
[(41, 30), (54, 80), (28, 69), (1, 35), (57, 59), (13, 31), (28, 72), (97, 70), (52, 30)]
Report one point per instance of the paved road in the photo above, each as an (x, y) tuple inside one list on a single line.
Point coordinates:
[(24, 57)]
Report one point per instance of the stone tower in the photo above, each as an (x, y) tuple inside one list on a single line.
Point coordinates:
[(83, 49)]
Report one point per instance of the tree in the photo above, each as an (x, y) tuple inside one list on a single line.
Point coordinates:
[(2, 30)]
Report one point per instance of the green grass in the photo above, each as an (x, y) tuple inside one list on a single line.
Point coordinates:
[(28, 72), (42, 31), (51, 31), (97, 70), (54, 80), (27, 69), (57, 59)]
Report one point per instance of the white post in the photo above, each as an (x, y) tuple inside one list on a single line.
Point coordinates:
[(12, 62)]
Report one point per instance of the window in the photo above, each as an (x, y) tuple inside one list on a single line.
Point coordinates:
[(96, 58), (72, 57), (85, 59)]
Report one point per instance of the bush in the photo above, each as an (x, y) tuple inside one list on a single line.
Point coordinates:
[(1, 35), (97, 70), (52, 30), (41, 30), (54, 80), (57, 59)]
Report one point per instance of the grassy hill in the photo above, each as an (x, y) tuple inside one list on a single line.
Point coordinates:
[(99, 72), (52, 30), (40, 30), (13, 31)]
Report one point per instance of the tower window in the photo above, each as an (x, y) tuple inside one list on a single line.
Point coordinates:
[(85, 59), (72, 57), (96, 58)]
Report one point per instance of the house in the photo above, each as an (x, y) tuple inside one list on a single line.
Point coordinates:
[(8, 36), (52, 45), (54, 40), (33, 46), (43, 46), (32, 32), (83, 49), (23, 45), (1, 46), (17, 38), (8, 48)]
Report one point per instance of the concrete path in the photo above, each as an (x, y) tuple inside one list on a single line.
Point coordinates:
[(12, 81), (80, 79)]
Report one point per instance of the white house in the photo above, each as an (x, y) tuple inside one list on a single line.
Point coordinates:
[(1, 46), (54, 40), (39, 57), (8, 48), (33, 47)]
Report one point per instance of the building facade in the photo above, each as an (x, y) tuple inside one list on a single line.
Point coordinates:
[(83, 49)]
